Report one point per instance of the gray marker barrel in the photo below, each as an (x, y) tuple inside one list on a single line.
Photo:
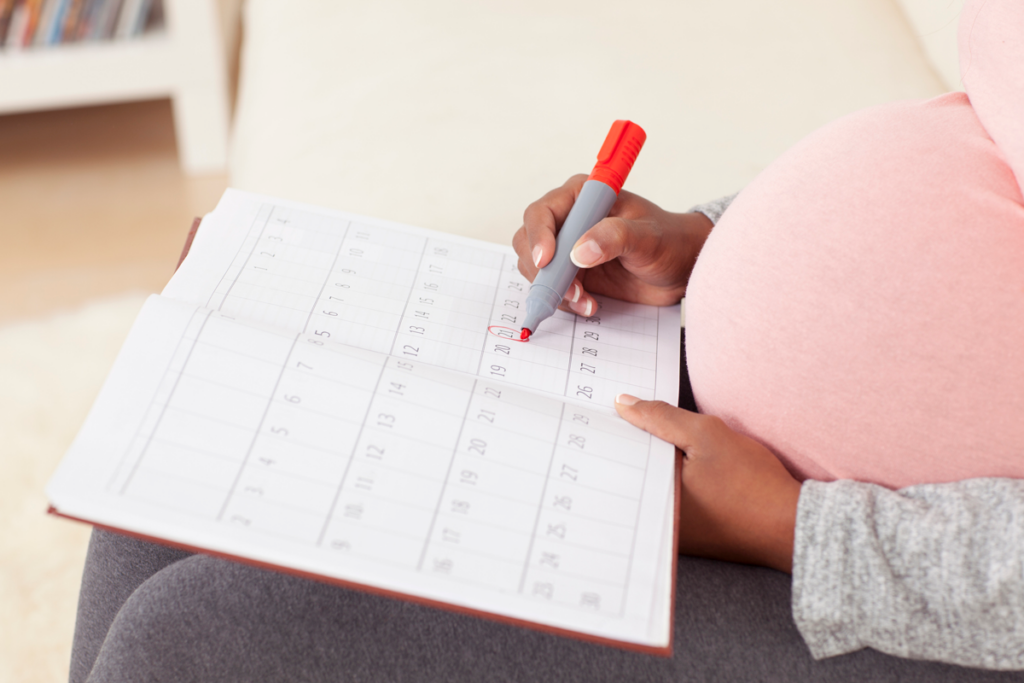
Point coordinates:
[(595, 200), (552, 282)]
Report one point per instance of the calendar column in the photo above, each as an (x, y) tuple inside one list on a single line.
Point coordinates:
[(614, 351), (543, 363), (583, 543), (445, 320), (364, 295), (384, 506), (483, 524), (284, 268), (304, 441)]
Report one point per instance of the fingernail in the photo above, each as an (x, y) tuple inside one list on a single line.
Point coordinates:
[(576, 289), (538, 251), (586, 254), (626, 399), (590, 307)]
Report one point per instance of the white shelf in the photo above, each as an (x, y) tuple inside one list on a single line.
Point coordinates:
[(185, 62)]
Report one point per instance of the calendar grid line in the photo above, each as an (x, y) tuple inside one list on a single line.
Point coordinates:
[(241, 245), (616, 584), (626, 314), (576, 484), (372, 396), (199, 451), (330, 233), (621, 346), (341, 243), (588, 518), (401, 534), (312, 230), (300, 264), (163, 411), (289, 506), (152, 405), (447, 475), (296, 278), (290, 475), (484, 458), (303, 444), (372, 327), (239, 297), (390, 532), (241, 268), (207, 380), (473, 582), (405, 308), (490, 494), (173, 475), (450, 296), (494, 307), (581, 546), (554, 541), (632, 348), (377, 310), (489, 556), (540, 503), (391, 468), (636, 524), (185, 411), (352, 456), (258, 430), (243, 354), (609, 433), (568, 369)]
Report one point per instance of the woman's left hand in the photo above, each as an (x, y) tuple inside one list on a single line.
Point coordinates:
[(738, 500)]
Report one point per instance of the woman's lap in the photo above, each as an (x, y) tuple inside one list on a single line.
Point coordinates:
[(147, 612), (151, 613)]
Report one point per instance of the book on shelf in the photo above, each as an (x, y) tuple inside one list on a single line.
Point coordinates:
[(42, 23), (347, 399)]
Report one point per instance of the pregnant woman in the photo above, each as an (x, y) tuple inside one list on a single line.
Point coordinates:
[(855, 339)]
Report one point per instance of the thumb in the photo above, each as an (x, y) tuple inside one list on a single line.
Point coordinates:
[(675, 425), (615, 237)]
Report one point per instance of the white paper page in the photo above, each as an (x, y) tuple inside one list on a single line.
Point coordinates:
[(418, 294), (380, 470)]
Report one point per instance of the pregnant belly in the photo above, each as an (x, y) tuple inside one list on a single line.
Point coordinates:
[(859, 308)]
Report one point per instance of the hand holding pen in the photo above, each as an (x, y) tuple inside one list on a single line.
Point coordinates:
[(639, 253)]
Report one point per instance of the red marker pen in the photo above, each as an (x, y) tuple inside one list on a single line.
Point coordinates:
[(595, 200)]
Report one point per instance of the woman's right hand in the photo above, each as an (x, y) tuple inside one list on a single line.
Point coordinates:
[(639, 253)]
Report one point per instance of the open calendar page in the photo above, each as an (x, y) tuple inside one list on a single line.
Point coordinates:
[(346, 398)]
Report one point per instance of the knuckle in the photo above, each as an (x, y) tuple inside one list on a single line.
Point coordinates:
[(526, 268), (530, 214), (657, 411), (519, 240), (612, 234)]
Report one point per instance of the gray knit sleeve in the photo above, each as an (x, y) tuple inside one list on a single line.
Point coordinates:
[(715, 209), (928, 572)]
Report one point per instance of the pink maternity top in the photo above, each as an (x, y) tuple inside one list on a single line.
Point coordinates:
[(859, 308)]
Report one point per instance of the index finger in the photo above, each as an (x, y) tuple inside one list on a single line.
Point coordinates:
[(679, 427), (543, 217)]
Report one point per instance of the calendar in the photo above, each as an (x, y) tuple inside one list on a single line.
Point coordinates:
[(348, 398)]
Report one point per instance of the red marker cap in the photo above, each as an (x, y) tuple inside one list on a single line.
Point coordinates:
[(618, 153)]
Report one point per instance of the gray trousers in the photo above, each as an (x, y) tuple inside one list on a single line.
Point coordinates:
[(150, 613)]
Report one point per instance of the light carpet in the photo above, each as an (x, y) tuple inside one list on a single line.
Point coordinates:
[(51, 370)]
